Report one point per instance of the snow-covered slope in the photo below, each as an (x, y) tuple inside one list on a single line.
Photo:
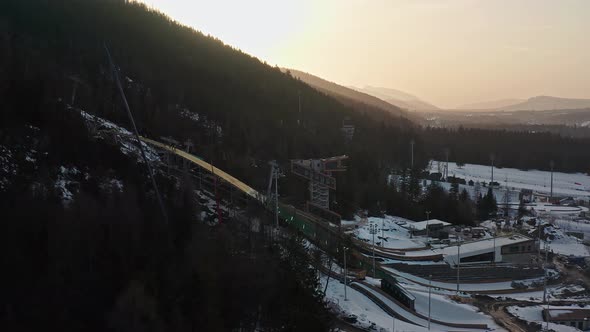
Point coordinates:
[(565, 184)]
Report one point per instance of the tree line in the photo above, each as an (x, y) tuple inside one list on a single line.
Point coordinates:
[(524, 150)]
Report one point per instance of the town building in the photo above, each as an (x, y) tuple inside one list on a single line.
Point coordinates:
[(432, 228), (578, 318), (517, 249)]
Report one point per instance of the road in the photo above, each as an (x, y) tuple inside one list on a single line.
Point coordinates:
[(497, 309)]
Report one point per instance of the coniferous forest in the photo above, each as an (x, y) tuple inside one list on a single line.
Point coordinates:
[(105, 260)]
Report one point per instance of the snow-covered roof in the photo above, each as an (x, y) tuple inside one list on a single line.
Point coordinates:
[(421, 225), (481, 246), (468, 247), (567, 314)]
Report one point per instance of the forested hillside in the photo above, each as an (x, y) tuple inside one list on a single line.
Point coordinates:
[(354, 99), (84, 245), (172, 68)]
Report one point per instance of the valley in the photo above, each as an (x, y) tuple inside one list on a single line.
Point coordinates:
[(248, 166)]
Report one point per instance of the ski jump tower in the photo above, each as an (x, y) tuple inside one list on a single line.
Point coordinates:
[(319, 174)]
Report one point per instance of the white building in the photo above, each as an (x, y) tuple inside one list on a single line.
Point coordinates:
[(514, 249), (432, 227)]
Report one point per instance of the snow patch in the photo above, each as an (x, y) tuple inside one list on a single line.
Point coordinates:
[(8, 166), (128, 145), (65, 185), (563, 244), (111, 185), (185, 113), (390, 233)]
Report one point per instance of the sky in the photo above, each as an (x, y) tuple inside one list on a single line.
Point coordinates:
[(447, 52)]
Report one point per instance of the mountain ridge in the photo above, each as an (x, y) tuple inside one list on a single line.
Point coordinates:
[(491, 104), (348, 96), (397, 98), (548, 103)]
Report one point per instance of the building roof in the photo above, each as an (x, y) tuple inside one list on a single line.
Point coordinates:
[(574, 314), (481, 246), (421, 225)]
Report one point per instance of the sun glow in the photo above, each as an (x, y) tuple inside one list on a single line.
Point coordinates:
[(257, 27), (449, 52)]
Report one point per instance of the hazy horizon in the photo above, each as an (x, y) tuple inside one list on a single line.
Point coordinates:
[(448, 53)]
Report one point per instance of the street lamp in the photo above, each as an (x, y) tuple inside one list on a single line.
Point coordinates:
[(492, 158), (539, 238), (427, 221), (373, 230), (547, 318), (545, 279), (552, 164), (429, 295), (458, 264), (345, 273), (382, 234), (494, 255)]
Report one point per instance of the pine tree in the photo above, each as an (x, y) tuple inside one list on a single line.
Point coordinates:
[(414, 188), (454, 191), (487, 206)]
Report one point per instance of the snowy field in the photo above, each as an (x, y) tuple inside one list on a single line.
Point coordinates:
[(575, 225), (444, 309), (127, 142), (366, 311), (533, 314), (390, 234), (564, 184), (369, 314), (563, 244)]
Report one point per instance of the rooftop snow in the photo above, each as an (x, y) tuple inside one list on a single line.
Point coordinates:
[(421, 225), (533, 314), (390, 233), (482, 246)]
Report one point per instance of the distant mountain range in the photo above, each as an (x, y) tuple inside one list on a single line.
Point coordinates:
[(548, 103), (490, 105), (538, 103), (348, 96), (398, 98), (396, 101)]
